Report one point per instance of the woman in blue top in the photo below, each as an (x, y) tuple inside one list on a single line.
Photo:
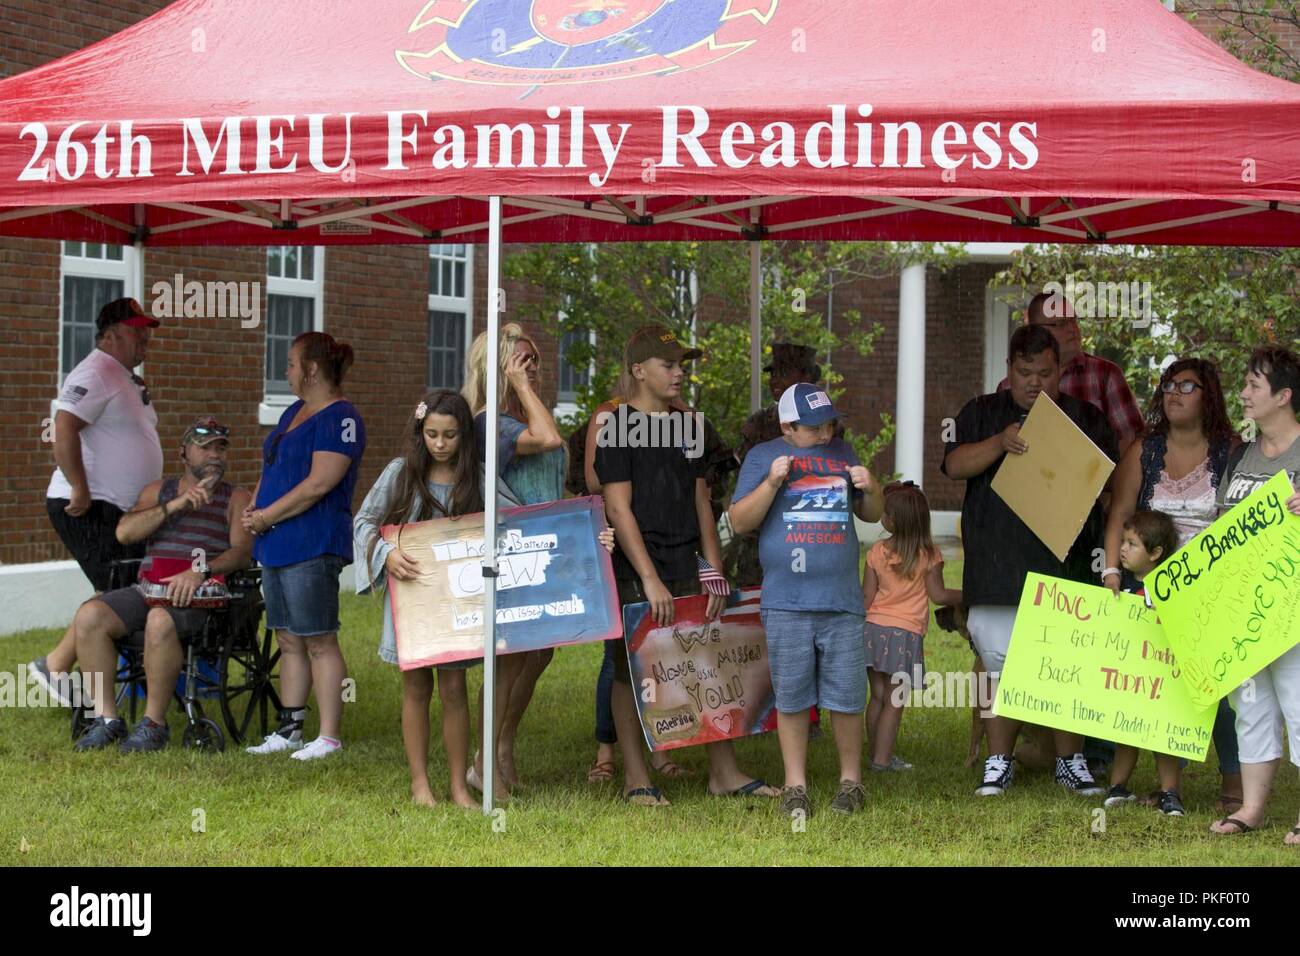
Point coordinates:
[(531, 460), (302, 517)]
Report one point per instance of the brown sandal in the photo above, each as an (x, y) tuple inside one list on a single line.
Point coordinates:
[(601, 772), (670, 769)]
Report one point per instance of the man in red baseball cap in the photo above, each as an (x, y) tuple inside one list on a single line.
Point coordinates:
[(106, 450)]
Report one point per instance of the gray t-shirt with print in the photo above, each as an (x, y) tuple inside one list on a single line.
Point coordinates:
[(1254, 469)]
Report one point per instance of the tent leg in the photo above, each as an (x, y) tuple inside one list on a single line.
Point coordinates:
[(755, 325), (909, 438), (490, 503)]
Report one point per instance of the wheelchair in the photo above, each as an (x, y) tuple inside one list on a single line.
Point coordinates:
[(230, 667)]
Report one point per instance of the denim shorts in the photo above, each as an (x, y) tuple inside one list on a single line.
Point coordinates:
[(303, 598), (816, 658)]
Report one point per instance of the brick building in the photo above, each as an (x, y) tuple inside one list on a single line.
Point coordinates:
[(409, 311)]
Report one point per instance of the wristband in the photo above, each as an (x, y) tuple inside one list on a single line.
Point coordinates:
[(1109, 571)]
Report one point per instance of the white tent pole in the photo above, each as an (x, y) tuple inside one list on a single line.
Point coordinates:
[(909, 436), (490, 500), (755, 323)]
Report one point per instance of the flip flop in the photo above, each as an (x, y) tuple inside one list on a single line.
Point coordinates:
[(601, 772), (672, 769), (751, 790), (646, 797), (1241, 827), (1294, 831)]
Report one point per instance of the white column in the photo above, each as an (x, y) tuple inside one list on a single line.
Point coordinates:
[(909, 437), (490, 500)]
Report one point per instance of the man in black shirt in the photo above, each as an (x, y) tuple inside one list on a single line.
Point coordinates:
[(650, 459), (1000, 548)]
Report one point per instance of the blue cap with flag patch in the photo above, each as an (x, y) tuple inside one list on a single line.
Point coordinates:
[(806, 404)]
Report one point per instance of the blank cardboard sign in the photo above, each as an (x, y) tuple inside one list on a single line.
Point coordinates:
[(1054, 485)]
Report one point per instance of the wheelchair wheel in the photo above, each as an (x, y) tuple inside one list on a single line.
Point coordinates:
[(248, 665), (204, 734)]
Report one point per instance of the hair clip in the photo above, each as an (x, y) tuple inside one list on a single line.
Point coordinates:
[(420, 411)]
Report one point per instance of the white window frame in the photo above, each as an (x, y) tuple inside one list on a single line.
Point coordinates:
[(451, 303), (130, 270), (273, 405)]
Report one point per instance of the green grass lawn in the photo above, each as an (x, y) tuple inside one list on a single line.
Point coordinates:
[(65, 808)]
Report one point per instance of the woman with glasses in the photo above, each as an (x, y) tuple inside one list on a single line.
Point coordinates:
[(302, 517), (1176, 468)]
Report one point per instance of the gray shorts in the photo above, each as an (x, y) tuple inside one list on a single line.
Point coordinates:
[(816, 658), (990, 627), (130, 607)]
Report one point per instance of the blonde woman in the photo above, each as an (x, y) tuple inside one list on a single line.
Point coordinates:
[(531, 459)]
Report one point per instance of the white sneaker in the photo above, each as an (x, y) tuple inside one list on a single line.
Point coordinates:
[(320, 747), (274, 744)]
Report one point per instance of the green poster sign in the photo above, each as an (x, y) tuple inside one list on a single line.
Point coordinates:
[(1230, 599), (1086, 661)]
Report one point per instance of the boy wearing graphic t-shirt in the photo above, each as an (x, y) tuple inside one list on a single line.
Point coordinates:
[(801, 492)]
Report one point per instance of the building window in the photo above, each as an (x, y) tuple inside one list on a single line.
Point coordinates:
[(94, 274), (570, 378), (295, 292), (450, 313)]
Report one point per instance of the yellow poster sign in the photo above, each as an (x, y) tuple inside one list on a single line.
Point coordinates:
[(1053, 486), (1086, 661), (1230, 599)]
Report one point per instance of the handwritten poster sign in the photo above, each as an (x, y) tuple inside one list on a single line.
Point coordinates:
[(1086, 661), (555, 583), (1053, 486), (1230, 598), (698, 681)]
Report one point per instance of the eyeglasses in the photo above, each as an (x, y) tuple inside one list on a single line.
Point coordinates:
[(1185, 387), (144, 389), (275, 445)]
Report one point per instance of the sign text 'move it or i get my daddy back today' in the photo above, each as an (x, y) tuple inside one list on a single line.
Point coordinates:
[(1087, 661)]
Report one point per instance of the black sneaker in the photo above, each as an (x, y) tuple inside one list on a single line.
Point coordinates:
[(147, 736), (1170, 803), (794, 800), (101, 733), (998, 773), (850, 798), (1118, 796), (1073, 774)]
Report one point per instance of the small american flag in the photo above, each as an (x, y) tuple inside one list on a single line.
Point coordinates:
[(711, 579)]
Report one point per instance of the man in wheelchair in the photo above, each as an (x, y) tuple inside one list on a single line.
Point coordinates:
[(192, 532)]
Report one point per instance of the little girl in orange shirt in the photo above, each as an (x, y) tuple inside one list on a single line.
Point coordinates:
[(903, 574)]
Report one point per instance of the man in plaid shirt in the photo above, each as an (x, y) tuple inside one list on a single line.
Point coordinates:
[(1089, 378)]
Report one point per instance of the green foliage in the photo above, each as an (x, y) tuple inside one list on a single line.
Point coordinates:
[(1216, 303), (1249, 31), (701, 291)]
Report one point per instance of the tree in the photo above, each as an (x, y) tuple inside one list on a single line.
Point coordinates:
[(597, 294)]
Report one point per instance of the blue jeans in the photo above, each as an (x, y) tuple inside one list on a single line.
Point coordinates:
[(605, 730)]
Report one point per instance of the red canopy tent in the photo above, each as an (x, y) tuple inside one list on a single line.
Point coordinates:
[(358, 121), (242, 122)]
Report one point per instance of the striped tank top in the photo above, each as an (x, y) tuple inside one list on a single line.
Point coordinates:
[(205, 528)]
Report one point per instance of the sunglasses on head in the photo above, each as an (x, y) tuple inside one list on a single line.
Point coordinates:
[(204, 431)]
